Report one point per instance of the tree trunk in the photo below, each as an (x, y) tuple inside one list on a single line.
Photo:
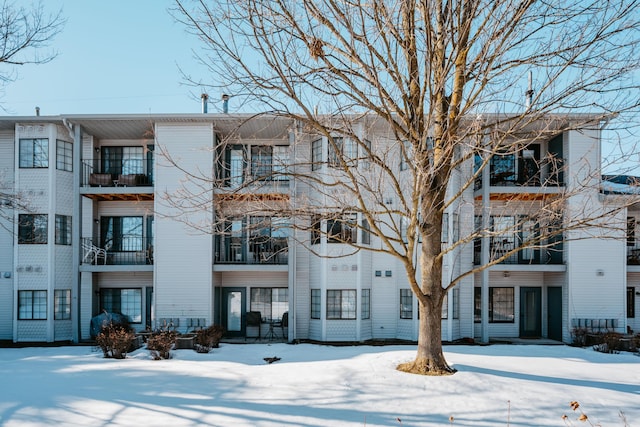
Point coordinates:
[(429, 357)]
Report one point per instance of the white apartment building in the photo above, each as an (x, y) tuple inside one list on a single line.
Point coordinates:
[(97, 234)]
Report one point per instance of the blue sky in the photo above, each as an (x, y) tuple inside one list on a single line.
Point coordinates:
[(115, 56)]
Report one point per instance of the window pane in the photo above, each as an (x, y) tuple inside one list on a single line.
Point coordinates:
[(64, 155), (406, 304), (32, 229), (477, 304), (501, 305), (26, 153), (315, 303), (366, 304), (316, 154), (63, 230), (62, 304), (333, 304), (40, 153)]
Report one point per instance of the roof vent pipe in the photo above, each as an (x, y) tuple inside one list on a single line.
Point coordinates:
[(529, 92), (37, 111), (225, 103), (204, 98)]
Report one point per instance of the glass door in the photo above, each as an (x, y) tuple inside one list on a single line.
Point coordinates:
[(233, 311)]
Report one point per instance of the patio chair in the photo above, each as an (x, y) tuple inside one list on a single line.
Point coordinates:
[(254, 319)]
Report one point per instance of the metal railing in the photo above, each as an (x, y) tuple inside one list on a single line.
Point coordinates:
[(122, 250), (251, 254), (525, 256), (130, 175)]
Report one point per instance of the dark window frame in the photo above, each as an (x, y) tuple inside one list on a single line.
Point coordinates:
[(365, 303), (341, 304), (33, 229), (63, 230), (111, 300), (33, 153), (262, 299), (499, 301), (406, 303), (32, 305), (631, 302), (316, 303), (62, 304), (64, 155), (316, 154)]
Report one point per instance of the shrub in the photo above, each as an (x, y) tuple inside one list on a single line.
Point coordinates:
[(610, 343), (208, 338), (579, 336), (115, 340), (160, 344)]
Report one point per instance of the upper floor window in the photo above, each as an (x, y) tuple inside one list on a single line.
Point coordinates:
[(342, 230), (123, 160), (32, 228), (404, 155), (34, 153), (64, 156), (316, 154), (342, 150), (122, 233), (269, 162), (631, 231), (63, 230)]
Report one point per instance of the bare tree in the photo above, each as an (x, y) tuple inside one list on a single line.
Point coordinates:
[(441, 85), (24, 34)]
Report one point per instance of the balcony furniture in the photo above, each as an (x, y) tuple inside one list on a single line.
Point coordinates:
[(100, 180), (93, 253), (254, 320)]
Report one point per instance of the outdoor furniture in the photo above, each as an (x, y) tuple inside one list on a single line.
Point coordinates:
[(254, 319), (93, 253), (100, 180)]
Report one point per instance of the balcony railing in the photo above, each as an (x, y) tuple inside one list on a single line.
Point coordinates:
[(130, 174), (123, 250), (525, 256), (237, 253)]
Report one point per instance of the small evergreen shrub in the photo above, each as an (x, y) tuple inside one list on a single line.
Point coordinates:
[(208, 338), (579, 337), (115, 340), (161, 343)]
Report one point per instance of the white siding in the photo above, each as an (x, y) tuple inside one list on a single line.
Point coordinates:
[(182, 256)]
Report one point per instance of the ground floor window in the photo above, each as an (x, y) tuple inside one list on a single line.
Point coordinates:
[(124, 301), (341, 304), (631, 302), (62, 304), (501, 305), (406, 304), (32, 305), (272, 303), (315, 303), (365, 308)]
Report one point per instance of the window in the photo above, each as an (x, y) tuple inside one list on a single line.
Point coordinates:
[(342, 150), (631, 231), (64, 156), (477, 304), (280, 163), (316, 154), (342, 230), (366, 232), (269, 162), (501, 303), (122, 233), (272, 303), (404, 228), (406, 304), (316, 229), (315, 303), (455, 292), (366, 155), (341, 304), (365, 301), (503, 169), (63, 230), (32, 305), (34, 153), (631, 302), (62, 304), (444, 313), (445, 228), (456, 227), (124, 301), (32, 229), (404, 155), (503, 240), (123, 160), (528, 233)]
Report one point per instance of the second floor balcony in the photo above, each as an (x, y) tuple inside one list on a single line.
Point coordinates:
[(506, 249), (122, 250)]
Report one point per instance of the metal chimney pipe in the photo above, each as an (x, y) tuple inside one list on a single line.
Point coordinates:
[(225, 103), (37, 111), (529, 92), (204, 98)]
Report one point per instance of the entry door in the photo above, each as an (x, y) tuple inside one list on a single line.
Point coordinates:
[(233, 311), (554, 315), (530, 312)]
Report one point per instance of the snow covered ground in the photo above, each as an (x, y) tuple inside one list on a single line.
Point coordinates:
[(313, 385)]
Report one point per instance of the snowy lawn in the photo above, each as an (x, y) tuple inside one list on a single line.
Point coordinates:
[(315, 385)]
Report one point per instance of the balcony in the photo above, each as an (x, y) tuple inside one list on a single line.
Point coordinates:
[(122, 250), (551, 255), (129, 174), (273, 252)]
